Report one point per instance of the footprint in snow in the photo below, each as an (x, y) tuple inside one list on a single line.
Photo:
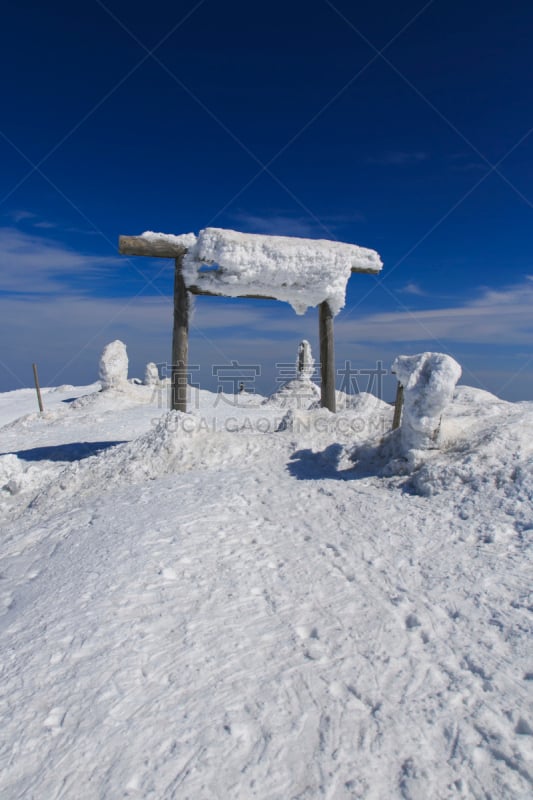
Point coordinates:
[(412, 621)]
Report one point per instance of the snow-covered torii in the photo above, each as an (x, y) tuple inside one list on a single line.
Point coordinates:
[(302, 272)]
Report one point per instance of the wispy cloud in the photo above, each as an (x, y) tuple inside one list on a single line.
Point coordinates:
[(45, 224), (276, 224), (413, 288), (496, 316), (29, 218), (19, 215), (463, 162), (399, 158), (284, 224), (30, 263)]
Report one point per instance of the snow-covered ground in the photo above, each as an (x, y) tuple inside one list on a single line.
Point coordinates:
[(263, 601)]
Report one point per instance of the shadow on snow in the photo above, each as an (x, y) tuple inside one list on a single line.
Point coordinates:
[(306, 465), (75, 451)]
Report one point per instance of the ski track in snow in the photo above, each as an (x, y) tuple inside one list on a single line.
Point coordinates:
[(232, 629)]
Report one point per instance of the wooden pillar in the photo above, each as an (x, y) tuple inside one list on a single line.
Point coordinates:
[(398, 405), (180, 339), (327, 356), (37, 388)]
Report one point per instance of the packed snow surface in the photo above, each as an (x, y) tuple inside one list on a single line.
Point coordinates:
[(302, 272), (255, 601)]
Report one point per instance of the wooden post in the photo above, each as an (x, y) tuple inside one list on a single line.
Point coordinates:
[(38, 388), (398, 404), (327, 356), (180, 339)]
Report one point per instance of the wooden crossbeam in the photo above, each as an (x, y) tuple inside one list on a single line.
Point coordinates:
[(155, 248), (196, 290)]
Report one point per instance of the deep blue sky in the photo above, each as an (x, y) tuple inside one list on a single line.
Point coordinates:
[(399, 126)]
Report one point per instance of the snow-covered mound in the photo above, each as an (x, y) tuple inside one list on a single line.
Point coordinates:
[(120, 394), (488, 453), (298, 393), (485, 458), (364, 402), (177, 443), (227, 606)]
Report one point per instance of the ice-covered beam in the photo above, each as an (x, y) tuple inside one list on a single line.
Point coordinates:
[(164, 246)]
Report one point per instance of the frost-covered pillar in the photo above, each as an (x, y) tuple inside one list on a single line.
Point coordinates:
[(428, 381), (305, 365), (327, 356), (180, 339)]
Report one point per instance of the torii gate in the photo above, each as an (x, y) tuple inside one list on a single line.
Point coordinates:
[(176, 247)]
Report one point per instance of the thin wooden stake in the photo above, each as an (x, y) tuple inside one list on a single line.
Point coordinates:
[(38, 388), (180, 339), (398, 405), (327, 356)]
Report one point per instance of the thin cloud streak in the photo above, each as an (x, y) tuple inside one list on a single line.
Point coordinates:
[(498, 317), (413, 288), (33, 264), (399, 158)]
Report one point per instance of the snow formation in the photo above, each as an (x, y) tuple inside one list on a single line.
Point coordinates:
[(428, 381), (113, 369), (151, 375), (305, 364)]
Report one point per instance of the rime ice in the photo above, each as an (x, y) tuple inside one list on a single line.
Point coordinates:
[(184, 239), (302, 272), (151, 375), (305, 364), (428, 381)]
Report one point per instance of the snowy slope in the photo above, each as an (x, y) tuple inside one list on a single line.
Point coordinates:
[(259, 601)]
